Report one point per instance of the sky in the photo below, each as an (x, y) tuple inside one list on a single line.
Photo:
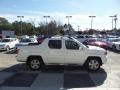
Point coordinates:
[(34, 10)]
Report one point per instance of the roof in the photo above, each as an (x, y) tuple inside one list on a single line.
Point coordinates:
[(60, 38)]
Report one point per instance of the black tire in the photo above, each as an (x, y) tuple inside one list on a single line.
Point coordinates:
[(93, 64), (114, 47), (34, 63)]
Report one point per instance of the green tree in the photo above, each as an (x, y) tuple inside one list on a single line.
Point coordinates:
[(27, 28), (52, 28), (4, 24), (3, 21), (16, 27)]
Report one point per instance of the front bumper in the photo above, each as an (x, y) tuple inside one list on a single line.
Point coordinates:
[(2, 48)]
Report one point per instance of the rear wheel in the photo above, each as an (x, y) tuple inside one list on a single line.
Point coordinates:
[(93, 64), (114, 47), (34, 63)]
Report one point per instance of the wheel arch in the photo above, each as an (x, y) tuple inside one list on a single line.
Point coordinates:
[(114, 47), (94, 57), (35, 56)]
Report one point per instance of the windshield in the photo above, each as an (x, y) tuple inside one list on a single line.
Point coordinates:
[(85, 46), (114, 40), (25, 40), (6, 40)]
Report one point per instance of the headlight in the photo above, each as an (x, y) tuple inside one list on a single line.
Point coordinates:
[(3, 45)]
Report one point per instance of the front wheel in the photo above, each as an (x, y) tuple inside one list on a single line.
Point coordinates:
[(7, 48), (34, 63), (93, 64)]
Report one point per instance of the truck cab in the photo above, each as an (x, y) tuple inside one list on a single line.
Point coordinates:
[(62, 51)]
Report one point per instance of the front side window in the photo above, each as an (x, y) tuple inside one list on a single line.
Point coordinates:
[(71, 45), (55, 44)]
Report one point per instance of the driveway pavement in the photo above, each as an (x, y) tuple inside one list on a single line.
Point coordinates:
[(17, 76)]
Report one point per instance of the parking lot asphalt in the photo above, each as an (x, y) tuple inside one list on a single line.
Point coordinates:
[(15, 75)]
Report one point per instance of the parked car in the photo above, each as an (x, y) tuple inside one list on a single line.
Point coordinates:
[(89, 41), (24, 36), (25, 42), (62, 51), (111, 36), (96, 42), (41, 39), (113, 43), (83, 38), (8, 43), (33, 36)]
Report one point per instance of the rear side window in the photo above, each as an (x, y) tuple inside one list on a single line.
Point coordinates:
[(55, 44)]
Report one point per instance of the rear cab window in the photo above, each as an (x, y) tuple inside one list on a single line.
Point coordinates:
[(55, 44)]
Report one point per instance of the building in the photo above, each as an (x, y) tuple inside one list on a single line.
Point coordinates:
[(5, 34)]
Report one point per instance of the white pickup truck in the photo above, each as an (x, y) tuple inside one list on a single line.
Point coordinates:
[(62, 51)]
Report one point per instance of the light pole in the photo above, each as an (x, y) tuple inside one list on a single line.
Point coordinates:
[(92, 20), (33, 22), (46, 17), (112, 20), (78, 28), (68, 17), (115, 19), (20, 22)]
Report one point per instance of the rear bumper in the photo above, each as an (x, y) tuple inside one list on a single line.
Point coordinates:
[(20, 58)]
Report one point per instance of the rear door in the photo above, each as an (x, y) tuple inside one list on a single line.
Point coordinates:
[(55, 52)]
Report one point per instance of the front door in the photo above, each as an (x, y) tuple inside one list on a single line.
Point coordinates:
[(74, 55)]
